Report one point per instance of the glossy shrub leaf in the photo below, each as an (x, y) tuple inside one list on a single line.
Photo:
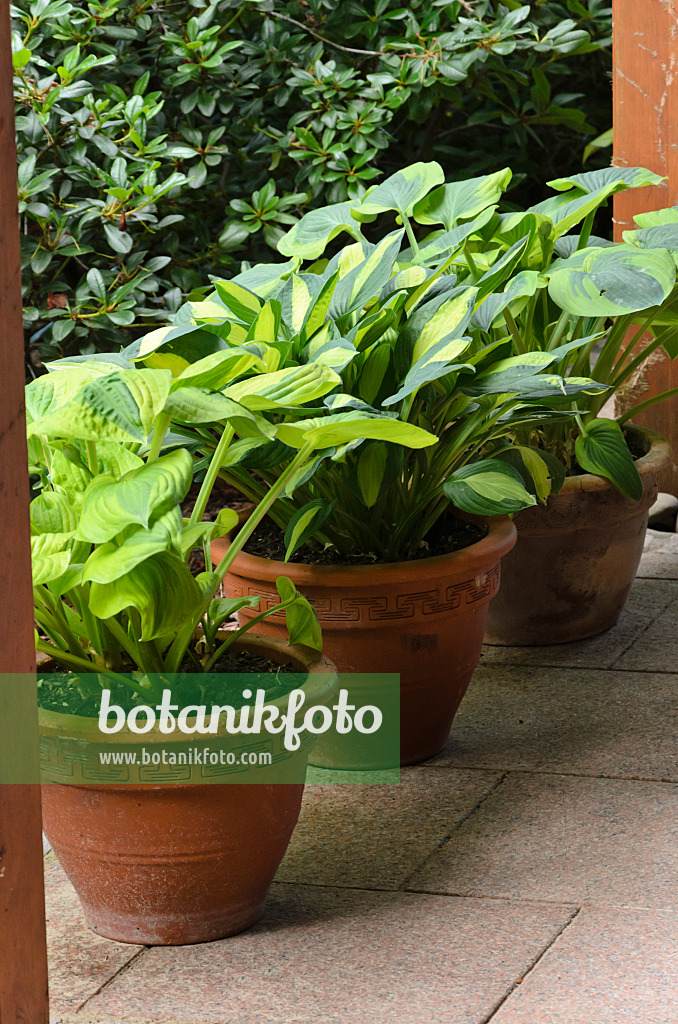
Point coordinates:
[(610, 282), (304, 524), (111, 505), (459, 200), (488, 488), (162, 590), (603, 451)]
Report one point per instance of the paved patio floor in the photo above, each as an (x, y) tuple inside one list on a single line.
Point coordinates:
[(529, 875)]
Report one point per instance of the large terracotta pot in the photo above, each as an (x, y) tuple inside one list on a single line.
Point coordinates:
[(422, 619), (173, 864), (570, 573)]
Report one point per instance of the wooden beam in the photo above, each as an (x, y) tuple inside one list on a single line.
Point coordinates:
[(645, 39), (23, 957)]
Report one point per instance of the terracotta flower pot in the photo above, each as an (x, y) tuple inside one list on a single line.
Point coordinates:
[(422, 619), (570, 573), (173, 864)]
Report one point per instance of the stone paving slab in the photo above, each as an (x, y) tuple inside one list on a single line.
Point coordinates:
[(656, 650), (608, 967), (80, 962), (340, 956), (648, 599), (660, 557), (374, 837), (567, 839), (570, 721)]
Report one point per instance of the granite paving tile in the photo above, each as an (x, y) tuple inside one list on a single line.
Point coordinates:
[(608, 967), (343, 956), (80, 961), (660, 557), (647, 600), (375, 836), (573, 721), (563, 838), (655, 650)]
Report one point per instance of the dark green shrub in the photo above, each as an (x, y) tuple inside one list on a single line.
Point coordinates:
[(159, 142)]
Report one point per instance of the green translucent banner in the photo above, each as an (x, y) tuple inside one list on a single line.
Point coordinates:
[(191, 729)]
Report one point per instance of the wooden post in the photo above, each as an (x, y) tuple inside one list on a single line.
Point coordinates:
[(23, 957), (645, 37)]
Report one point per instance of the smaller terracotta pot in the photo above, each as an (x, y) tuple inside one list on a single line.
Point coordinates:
[(571, 571), (173, 864), (422, 619)]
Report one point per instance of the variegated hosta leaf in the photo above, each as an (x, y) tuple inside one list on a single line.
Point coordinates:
[(449, 319), (110, 505), (488, 488), (310, 236), (115, 459), (492, 306), (110, 561), (367, 277), (459, 200), (328, 347), (217, 370), (69, 474), (602, 450), (402, 191), (341, 428), (52, 391), (161, 588), (610, 282), (46, 568), (285, 388), (620, 178), (239, 300), (118, 407)]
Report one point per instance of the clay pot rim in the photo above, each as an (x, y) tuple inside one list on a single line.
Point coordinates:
[(319, 687), (656, 459), (500, 538)]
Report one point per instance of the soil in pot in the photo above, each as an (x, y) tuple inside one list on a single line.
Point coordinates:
[(423, 619), (571, 571), (181, 862)]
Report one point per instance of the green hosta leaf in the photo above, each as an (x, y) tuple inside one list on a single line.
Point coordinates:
[(53, 513), (435, 363), (266, 279), (110, 561), (46, 568), (657, 218), (603, 451), (620, 178), (310, 236), (402, 191), (341, 428), (566, 212), (459, 200), (116, 460), (111, 505), (488, 488), (439, 245), (304, 524), (302, 622), (659, 236), (193, 536), (521, 376), (501, 270), (223, 607), (370, 471), (98, 363), (373, 373), (217, 370), (161, 588), (69, 475), (173, 340), (285, 388), (610, 282)]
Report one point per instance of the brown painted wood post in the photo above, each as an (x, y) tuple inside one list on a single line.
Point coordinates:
[(23, 957), (645, 85)]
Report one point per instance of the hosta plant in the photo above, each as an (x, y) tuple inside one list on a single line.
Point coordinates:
[(545, 290), (400, 341), (113, 591)]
